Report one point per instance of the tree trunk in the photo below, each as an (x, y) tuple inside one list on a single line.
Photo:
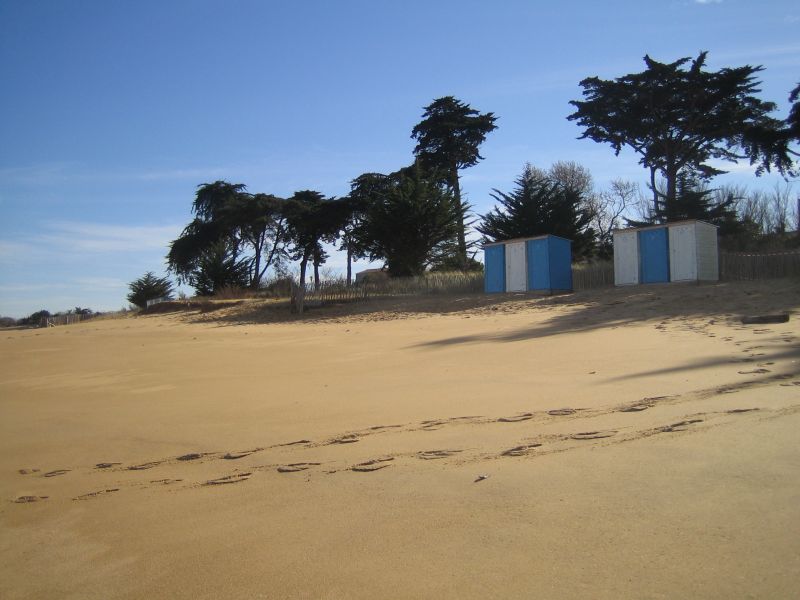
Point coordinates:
[(672, 188), (462, 237), (316, 275), (653, 171), (350, 264), (301, 293)]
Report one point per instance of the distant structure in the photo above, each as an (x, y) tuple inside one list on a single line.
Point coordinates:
[(371, 276), (542, 263), (679, 251)]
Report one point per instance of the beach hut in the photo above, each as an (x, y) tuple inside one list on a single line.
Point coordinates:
[(680, 251), (542, 263)]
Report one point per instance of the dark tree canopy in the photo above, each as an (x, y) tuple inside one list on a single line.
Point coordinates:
[(793, 120), (249, 228), (148, 287), (678, 116), (406, 217), (448, 140), (539, 206), (693, 200), (219, 268), (312, 219)]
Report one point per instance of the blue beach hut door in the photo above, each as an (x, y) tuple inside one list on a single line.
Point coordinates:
[(495, 269), (654, 255)]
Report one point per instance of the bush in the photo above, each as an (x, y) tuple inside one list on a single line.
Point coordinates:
[(149, 287)]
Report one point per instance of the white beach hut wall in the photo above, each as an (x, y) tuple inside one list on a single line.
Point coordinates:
[(542, 263), (680, 251)]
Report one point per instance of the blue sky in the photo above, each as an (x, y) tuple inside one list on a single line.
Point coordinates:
[(111, 112)]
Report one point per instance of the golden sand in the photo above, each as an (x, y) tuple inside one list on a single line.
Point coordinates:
[(626, 443)]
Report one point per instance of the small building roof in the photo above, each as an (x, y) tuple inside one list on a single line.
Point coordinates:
[(536, 237), (660, 225)]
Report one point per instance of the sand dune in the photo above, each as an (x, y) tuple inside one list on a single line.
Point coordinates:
[(636, 442)]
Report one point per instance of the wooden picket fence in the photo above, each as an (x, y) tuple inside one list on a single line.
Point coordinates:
[(592, 275), (734, 266), (738, 266), (432, 283), (66, 319)]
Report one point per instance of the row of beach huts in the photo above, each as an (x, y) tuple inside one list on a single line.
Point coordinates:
[(672, 252)]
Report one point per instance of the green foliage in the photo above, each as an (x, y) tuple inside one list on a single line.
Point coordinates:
[(539, 206), (450, 134), (678, 116), (693, 201), (34, 319), (219, 268), (250, 227), (148, 287), (405, 218), (448, 140), (793, 120), (312, 220)]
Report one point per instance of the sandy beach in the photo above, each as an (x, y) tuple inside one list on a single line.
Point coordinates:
[(620, 443)]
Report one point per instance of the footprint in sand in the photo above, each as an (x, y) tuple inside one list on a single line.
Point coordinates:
[(436, 454), (381, 427), (296, 467), (28, 499), (516, 418), (190, 456), (736, 411), (520, 450), (634, 408), (91, 495), (28, 471), (145, 466), (679, 426), (56, 473), (345, 439), (242, 454), (295, 443), (235, 478), (754, 372), (561, 412), (433, 425), (790, 384), (166, 481), (372, 465), (593, 435), (106, 465)]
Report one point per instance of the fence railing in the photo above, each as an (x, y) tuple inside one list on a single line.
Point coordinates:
[(67, 319), (733, 266), (433, 283), (737, 266), (592, 275)]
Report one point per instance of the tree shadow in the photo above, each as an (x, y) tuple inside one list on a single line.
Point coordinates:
[(685, 306)]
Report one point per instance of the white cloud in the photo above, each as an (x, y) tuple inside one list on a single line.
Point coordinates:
[(59, 173), (75, 236)]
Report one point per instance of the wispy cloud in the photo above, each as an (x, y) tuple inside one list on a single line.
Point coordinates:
[(58, 173), (708, 1), (70, 241), (100, 237)]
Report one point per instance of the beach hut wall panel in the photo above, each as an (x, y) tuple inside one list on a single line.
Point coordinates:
[(549, 263), (516, 267), (707, 251), (682, 251), (495, 268), (542, 263), (626, 257), (654, 255)]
